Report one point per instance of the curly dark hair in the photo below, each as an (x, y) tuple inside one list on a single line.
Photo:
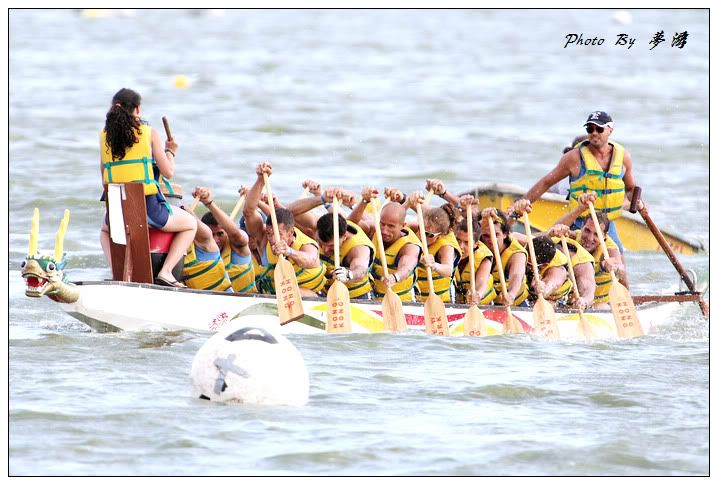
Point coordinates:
[(121, 126)]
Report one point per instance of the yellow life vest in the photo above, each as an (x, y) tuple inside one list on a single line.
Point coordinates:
[(204, 275), (513, 248), (580, 256), (137, 164), (559, 259), (603, 278), (462, 276), (358, 238), (240, 275), (405, 288), (309, 278), (608, 185), (442, 284)]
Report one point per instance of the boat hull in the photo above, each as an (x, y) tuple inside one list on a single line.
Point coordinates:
[(109, 306)]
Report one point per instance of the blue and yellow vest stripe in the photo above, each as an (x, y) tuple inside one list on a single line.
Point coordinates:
[(204, 275), (608, 185), (137, 164), (240, 275)]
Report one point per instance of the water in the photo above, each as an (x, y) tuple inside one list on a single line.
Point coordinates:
[(381, 97)]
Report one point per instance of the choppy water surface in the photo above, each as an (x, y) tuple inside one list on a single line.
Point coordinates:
[(376, 97)]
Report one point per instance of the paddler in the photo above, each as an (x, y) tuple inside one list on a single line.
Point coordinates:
[(401, 246), (483, 261), (587, 237), (513, 258), (444, 251), (232, 241), (132, 151), (299, 249), (356, 251)]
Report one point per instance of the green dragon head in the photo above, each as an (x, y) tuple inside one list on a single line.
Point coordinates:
[(43, 274)]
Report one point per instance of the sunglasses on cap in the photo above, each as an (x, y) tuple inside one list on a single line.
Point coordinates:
[(432, 234), (591, 127)]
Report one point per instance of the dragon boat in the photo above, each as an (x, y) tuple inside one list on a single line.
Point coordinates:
[(110, 306), (132, 302)]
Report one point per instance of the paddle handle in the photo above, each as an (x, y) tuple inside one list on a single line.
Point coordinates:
[(497, 255), (195, 203), (470, 231), (634, 199), (270, 203), (335, 222), (377, 232), (530, 244), (237, 207), (167, 128), (599, 231), (571, 274), (424, 246)]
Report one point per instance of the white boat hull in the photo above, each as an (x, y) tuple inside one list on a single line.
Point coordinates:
[(119, 306)]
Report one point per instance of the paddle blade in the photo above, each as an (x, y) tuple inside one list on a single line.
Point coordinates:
[(435, 320), (289, 300), (339, 318), (545, 319), (584, 328), (511, 325), (474, 322), (624, 311), (392, 312)]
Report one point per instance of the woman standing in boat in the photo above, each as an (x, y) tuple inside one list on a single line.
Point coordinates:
[(132, 151)]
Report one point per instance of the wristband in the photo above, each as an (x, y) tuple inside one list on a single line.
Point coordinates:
[(291, 252), (403, 199), (209, 203), (365, 202), (396, 277), (167, 150)]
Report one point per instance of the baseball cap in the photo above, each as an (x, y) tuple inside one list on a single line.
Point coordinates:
[(599, 118)]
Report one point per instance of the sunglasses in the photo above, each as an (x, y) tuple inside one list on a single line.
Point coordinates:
[(590, 128), (432, 234)]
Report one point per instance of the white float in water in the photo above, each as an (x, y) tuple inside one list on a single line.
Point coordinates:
[(622, 17), (250, 362)]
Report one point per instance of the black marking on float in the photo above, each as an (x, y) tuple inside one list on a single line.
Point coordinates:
[(251, 333)]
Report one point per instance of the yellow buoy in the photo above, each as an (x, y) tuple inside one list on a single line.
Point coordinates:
[(181, 81)]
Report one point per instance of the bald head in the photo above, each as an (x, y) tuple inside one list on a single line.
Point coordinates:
[(391, 222), (393, 213)]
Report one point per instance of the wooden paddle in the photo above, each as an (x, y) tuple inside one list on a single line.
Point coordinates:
[(167, 128), (338, 307), (435, 321), (237, 207), (667, 249), (289, 299), (543, 312), (584, 328), (624, 311), (474, 321), (511, 325), (391, 309)]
